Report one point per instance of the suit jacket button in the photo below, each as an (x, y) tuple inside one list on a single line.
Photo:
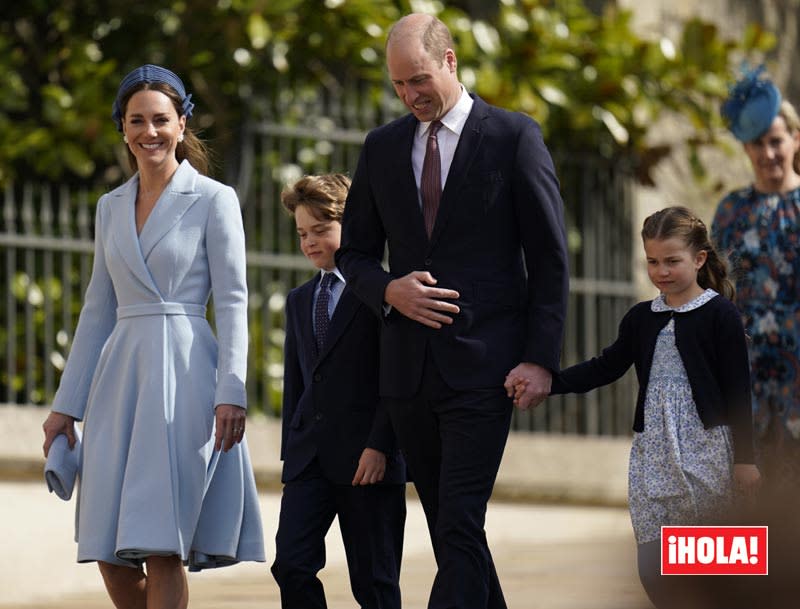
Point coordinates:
[(318, 416), (318, 377), (428, 262)]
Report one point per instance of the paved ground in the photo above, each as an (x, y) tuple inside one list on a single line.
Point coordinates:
[(548, 557), (552, 550), (558, 528)]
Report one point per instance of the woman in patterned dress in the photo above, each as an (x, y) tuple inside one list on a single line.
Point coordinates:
[(693, 427), (758, 228)]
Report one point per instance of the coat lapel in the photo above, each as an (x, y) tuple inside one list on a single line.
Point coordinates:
[(345, 309), (305, 302), (123, 231), (177, 198), (404, 186), (468, 145)]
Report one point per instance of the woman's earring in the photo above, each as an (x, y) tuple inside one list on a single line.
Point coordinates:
[(180, 138), (125, 138)]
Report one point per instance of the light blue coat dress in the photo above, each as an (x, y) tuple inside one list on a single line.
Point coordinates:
[(145, 372)]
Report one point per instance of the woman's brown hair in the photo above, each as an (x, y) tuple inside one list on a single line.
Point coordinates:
[(191, 148)]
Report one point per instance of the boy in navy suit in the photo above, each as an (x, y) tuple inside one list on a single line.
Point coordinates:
[(339, 456)]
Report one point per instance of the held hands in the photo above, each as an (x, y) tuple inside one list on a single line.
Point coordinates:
[(371, 467), (230, 426), (528, 384), (414, 297), (56, 424)]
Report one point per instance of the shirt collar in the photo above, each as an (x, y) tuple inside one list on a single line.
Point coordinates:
[(659, 304), (336, 272), (455, 119)]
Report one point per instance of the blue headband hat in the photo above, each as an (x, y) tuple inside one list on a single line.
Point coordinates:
[(752, 104), (150, 74)]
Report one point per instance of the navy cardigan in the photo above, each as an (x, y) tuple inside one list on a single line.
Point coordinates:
[(713, 346)]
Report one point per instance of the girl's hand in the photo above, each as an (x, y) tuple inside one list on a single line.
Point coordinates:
[(519, 389), (515, 387), (529, 384), (747, 478)]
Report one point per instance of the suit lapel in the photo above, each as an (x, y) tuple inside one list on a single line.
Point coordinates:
[(345, 309), (467, 148), (305, 303), (177, 198), (404, 186), (123, 231)]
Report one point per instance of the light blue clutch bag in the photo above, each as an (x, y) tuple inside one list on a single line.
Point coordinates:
[(61, 468)]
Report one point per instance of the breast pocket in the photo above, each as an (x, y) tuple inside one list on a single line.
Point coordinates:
[(485, 190)]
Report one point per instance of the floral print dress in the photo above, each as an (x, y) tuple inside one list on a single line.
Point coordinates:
[(760, 234), (680, 473)]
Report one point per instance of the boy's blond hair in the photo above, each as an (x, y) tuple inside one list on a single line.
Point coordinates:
[(323, 195)]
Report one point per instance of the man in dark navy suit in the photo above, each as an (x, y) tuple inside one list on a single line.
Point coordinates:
[(466, 197), (340, 460)]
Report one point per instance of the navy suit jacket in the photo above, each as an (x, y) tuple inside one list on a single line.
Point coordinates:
[(330, 398), (498, 239)]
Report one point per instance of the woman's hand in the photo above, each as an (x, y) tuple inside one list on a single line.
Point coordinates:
[(230, 426), (56, 424)]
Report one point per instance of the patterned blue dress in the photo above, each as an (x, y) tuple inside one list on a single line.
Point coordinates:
[(760, 234), (680, 473)]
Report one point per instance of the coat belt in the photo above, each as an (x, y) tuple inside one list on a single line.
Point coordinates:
[(161, 308)]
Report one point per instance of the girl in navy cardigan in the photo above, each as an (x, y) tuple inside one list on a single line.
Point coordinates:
[(693, 423)]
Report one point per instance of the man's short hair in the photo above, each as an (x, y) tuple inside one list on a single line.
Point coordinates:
[(435, 37)]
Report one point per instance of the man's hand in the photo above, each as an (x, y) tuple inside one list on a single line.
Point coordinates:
[(529, 384), (371, 467), (414, 297)]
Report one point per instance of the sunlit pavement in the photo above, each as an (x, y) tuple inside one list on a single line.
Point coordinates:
[(548, 557)]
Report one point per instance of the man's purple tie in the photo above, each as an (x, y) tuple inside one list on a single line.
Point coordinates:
[(431, 180), (321, 319)]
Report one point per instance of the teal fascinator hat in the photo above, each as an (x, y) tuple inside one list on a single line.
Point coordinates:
[(752, 104)]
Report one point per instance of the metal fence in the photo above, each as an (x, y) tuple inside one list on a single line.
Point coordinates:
[(46, 248)]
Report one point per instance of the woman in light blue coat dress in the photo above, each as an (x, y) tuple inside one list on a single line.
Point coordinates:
[(165, 475)]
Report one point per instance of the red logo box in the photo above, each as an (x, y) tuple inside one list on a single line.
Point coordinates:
[(714, 550)]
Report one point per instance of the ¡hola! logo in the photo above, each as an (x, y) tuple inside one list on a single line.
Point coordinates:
[(714, 550)]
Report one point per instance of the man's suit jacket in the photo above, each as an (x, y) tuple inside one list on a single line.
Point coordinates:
[(500, 213), (330, 398)]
